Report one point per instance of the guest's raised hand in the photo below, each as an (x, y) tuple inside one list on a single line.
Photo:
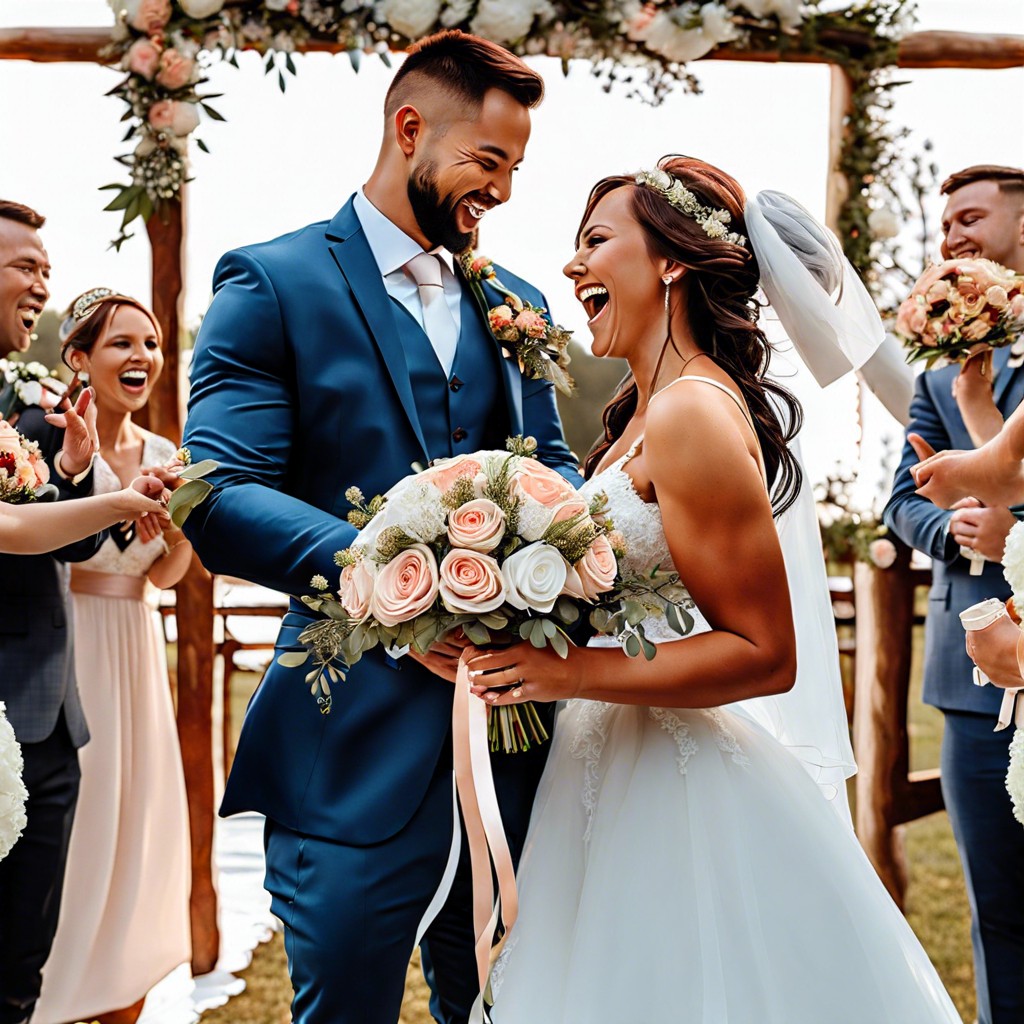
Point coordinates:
[(81, 441)]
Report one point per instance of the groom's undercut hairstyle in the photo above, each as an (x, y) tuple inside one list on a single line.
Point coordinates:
[(461, 69), (1009, 179), (21, 213)]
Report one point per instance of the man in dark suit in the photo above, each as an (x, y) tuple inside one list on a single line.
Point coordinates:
[(984, 217), (338, 355), (37, 680)]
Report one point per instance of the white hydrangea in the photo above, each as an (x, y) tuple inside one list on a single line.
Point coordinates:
[(534, 519), (410, 18), (1013, 563), (505, 21), (717, 23), (12, 788), (1015, 774), (789, 12)]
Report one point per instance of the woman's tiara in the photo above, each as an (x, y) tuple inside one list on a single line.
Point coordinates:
[(713, 221)]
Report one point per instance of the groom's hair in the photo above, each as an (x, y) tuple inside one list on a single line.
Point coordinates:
[(22, 214), (464, 67), (1009, 179)]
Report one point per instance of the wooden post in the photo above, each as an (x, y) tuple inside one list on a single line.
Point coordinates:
[(837, 188), (194, 608), (887, 795)]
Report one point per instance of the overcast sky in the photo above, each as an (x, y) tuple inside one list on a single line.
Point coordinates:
[(283, 161)]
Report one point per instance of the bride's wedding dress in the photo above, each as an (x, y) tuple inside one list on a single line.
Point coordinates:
[(682, 866)]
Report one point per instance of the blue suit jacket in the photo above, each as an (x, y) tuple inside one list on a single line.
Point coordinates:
[(300, 389), (916, 521)]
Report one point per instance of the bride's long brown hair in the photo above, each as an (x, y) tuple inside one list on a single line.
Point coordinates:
[(722, 312)]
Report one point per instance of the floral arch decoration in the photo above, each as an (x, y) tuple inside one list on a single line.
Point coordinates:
[(167, 46)]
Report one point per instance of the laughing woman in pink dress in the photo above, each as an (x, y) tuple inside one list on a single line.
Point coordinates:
[(124, 921)]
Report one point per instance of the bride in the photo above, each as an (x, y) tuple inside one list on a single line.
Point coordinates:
[(682, 864)]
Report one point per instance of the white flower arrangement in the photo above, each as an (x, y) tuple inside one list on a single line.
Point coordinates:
[(1013, 563), (12, 787), (1015, 774)]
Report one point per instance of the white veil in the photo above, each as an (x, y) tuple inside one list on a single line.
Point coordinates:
[(829, 317)]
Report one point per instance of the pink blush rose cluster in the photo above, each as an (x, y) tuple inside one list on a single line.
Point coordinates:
[(23, 471), (961, 308)]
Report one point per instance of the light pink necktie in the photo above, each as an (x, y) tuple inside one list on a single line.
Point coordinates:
[(438, 322)]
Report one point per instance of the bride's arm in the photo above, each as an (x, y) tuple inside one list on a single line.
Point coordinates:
[(37, 529), (724, 543)]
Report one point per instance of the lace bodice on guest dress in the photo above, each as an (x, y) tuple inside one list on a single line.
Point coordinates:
[(136, 558)]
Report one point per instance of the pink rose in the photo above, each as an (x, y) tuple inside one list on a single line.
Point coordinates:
[(500, 317), (405, 587), (917, 321), (597, 568), (479, 265), (571, 508), (174, 117), (972, 298), (470, 582), (997, 296), (41, 469), (478, 525), (535, 480), (531, 323), (445, 475), (142, 58), (149, 16), (176, 71), (1017, 306), (976, 330), (355, 589), (938, 292), (10, 439), (882, 552)]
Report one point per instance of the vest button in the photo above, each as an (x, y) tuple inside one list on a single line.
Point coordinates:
[(459, 434), (454, 384)]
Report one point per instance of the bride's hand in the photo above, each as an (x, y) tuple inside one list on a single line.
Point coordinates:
[(531, 673), (994, 651), (443, 657)]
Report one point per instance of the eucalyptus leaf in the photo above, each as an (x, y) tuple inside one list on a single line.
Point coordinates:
[(550, 629), (185, 498), (648, 648), (632, 645), (567, 610), (292, 659), (560, 645), (635, 612), (477, 632), (537, 635), (526, 628), (312, 675), (198, 469)]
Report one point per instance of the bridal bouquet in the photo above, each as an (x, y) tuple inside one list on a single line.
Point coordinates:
[(24, 474), (960, 308), (12, 787), (495, 544)]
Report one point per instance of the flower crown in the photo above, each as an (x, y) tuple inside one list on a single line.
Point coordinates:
[(712, 220)]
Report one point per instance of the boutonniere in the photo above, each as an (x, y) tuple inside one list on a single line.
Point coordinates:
[(23, 385), (524, 331)]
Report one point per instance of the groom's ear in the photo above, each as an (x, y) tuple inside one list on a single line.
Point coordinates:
[(408, 128)]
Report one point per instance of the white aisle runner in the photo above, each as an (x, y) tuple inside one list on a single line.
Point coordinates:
[(245, 922)]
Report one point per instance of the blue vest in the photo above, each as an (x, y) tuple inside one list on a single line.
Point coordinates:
[(467, 411)]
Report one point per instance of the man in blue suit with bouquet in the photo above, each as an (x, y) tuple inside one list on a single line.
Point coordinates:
[(962, 408), (339, 355)]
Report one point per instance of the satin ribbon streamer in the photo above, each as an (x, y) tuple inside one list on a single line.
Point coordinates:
[(1010, 711), (485, 833)]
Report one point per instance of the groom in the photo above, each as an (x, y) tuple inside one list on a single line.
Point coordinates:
[(339, 355)]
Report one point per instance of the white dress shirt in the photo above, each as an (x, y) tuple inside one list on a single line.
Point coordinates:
[(392, 248)]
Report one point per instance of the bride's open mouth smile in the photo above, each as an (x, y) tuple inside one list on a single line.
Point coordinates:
[(595, 301)]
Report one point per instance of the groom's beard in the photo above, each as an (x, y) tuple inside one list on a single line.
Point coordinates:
[(436, 216)]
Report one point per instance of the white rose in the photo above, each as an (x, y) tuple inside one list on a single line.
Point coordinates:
[(204, 8), (717, 23), (504, 21), (29, 391), (534, 577), (410, 18), (455, 12), (882, 223), (663, 35)]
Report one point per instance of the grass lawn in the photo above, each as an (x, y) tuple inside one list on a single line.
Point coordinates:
[(936, 901)]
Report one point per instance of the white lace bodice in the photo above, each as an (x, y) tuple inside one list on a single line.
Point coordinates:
[(137, 558)]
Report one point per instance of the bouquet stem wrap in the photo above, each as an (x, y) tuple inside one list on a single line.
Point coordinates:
[(485, 833)]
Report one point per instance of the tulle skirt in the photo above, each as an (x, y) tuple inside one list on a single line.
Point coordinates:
[(124, 917), (683, 867)]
